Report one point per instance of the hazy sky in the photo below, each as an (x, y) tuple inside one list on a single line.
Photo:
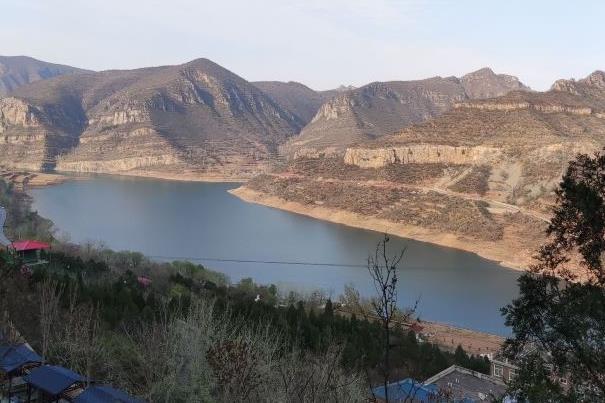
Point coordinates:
[(320, 43)]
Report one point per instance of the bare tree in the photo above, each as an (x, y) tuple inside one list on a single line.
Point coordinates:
[(49, 293), (78, 345), (383, 270)]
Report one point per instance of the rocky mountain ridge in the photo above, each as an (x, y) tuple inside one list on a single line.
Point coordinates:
[(478, 177), (382, 108), (197, 118)]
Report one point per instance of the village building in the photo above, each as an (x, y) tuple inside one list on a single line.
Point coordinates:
[(32, 252), (464, 385), (503, 368), (454, 384)]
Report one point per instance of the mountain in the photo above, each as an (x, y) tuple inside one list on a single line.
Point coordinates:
[(382, 108), (16, 71), (484, 83), (196, 119), (479, 177), (297, 98)]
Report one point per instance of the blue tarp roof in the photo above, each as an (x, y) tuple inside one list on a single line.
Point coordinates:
[(105, 394), (52, 379), (414, 392), (407, 389), (14, 357)]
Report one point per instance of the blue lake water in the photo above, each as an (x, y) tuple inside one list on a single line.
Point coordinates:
[(168, 219)]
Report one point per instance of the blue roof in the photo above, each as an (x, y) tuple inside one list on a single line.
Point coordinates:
[(53, 380), (408, 389), (105, 394), (13, 358)]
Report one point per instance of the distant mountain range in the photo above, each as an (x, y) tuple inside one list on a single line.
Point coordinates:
[(16, 71), (199, 118), (469, 162), (479, 177), (381, 108)]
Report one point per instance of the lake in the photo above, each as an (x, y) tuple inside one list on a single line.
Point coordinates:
[(202, 222)]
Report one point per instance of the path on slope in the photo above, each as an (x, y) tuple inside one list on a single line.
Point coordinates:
[(393, 185)]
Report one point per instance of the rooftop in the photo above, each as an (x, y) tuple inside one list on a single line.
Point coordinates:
[(26, 245), (461, 383), (52, 379), (13, 358), (407, 390)]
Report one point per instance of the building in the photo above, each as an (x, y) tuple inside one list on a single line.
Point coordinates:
[(454, 384), (502, 368), (408, 391), (15, 362), (24, 378), (459, 384), (32, 252)]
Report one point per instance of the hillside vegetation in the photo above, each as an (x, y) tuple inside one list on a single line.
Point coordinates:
[(193, 336)]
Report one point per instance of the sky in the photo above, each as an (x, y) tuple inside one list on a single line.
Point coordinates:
[(321, 43)]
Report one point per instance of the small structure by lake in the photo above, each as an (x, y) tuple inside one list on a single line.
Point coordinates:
[(32, 252)]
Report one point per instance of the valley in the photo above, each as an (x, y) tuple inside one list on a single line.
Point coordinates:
[(468, 162)]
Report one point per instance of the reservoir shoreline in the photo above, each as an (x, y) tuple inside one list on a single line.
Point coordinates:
[(488, 250)]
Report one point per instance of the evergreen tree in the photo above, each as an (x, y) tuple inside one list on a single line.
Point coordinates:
[(558, 320)]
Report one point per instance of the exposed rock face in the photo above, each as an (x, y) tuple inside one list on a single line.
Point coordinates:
[(421, 154), (16, 71), (379, 109), (526, 137), (197, 116), (485, 83)]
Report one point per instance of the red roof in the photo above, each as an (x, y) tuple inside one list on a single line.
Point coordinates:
[(144, 281), (25, 245)]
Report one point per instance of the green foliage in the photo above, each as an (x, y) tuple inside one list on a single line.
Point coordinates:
[(557, 321), (21, 221)]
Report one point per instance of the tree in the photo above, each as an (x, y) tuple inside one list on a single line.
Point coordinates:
[(49, 293), (383, 270), (558, 320)]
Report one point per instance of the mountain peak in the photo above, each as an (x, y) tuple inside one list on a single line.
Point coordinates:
[(484, 71), (484, 83), (595, 79)]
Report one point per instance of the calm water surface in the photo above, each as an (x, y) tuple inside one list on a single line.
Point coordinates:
[(201, 220)]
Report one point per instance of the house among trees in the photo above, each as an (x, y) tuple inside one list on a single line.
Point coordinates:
[(24, 378), (458, 384), (15, 362), (454, 384), (503, 368), (32, 252)]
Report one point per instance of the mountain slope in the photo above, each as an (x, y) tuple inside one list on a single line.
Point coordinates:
[(382, 108), (479, 177), (197, 118), (16, 71), (297, 98)]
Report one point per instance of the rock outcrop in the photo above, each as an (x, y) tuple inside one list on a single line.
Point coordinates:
[(421, 154), (484, 83)]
